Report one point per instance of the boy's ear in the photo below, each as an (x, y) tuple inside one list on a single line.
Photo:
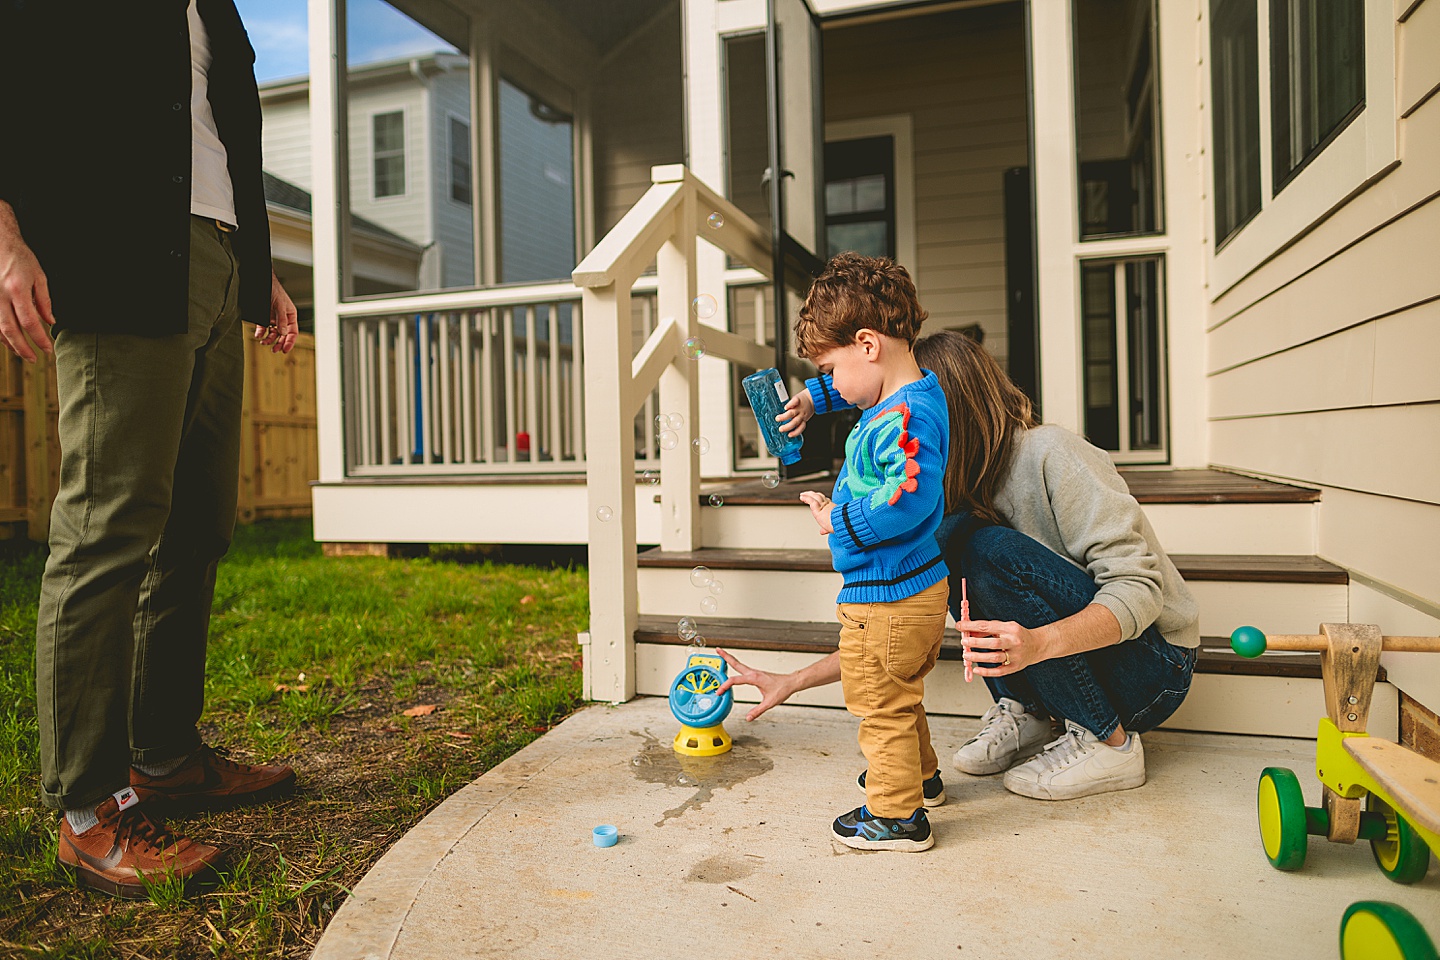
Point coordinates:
[(869, 341)]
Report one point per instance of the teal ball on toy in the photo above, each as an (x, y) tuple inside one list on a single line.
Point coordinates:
[(1248, 641)]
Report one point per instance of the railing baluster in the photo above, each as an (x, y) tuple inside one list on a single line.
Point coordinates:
[(487, 386), (649, 430), (367, 406), (447, 407), (424, 431), (386, 419), (507, 315), (404, 391), (577, 380), (762, 330), (556, 452), (467, 389), (532, 405)]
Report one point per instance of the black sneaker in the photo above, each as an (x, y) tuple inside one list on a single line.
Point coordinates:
[(864, 831), (933, 789)]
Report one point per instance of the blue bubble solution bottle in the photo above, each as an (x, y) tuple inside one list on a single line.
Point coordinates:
[(768, 396)]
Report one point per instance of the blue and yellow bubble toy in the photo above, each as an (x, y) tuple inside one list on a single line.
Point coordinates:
[(700, 710)]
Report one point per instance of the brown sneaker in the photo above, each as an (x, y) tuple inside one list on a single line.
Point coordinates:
[(127, 848), (208, 781)]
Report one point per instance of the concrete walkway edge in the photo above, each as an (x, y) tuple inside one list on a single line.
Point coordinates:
[(369, 923)]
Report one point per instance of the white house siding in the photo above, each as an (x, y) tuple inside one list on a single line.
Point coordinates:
[(638, 117), (961, 76), (409, 213), (454, 221), (1324, 368), (286, 139)]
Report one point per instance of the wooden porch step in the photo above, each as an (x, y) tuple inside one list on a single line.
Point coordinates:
[(820, 639), (1147, 486), (1238, 567)]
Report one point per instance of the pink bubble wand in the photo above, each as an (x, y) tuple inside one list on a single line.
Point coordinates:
[(965, 615)]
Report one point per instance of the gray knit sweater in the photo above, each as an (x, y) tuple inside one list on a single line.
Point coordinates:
[(1064, 492)]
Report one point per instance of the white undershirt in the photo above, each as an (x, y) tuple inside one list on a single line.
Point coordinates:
[(211, 193)]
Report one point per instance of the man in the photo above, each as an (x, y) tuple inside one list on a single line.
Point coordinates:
[(133, 226)]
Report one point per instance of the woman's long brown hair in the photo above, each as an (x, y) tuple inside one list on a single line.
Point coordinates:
[(987, 413)]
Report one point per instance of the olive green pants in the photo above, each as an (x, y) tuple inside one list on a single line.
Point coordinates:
[(149, 474)]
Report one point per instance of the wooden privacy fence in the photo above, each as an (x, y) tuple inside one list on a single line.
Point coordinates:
[(279, 458)]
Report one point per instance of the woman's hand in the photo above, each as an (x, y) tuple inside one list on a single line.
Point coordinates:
[(798, 411), (820, 508), (996, 648), (775, 688)]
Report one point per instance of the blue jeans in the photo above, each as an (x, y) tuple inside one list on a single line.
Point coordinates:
[(1137, 683)]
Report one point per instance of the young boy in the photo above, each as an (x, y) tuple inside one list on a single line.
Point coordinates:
[(858, 325)]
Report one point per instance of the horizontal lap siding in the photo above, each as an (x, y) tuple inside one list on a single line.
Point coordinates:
[(1324, 367), (961, 78)]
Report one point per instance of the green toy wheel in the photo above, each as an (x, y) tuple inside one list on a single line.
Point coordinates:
[(1376, 930), (1402, 855), (1282, 818)]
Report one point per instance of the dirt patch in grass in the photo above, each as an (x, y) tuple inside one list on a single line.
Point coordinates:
[(362, 784)]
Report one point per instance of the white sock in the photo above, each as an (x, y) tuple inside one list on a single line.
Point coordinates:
[(81, 819), (1125, 747), (161, 769)]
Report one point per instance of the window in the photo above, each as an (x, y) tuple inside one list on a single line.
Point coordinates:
[(388, 136), (459, 160), (860, 196), (537, 187), (1124, 357), (1235, 96), (1317, 77), (1116, 136)]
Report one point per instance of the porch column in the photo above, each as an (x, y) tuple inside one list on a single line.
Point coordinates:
[(327, 130), (1057, 227), (679, 468)]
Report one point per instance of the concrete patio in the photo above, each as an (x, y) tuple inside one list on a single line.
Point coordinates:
[(731, 857)]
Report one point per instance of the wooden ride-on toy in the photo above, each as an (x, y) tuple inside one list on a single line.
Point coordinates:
[(1400, 788)]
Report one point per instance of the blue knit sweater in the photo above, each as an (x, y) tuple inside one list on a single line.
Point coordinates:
[(890, 494)]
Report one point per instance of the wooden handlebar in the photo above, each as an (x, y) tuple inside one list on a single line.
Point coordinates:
[(1317, 643)]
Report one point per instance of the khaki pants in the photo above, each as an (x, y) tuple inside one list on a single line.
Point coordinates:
[(149, 475), (886, 649)]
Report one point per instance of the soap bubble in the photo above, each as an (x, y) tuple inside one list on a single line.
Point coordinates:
[(699, 641), (694, 347), (716, 220), (662, 422), (716, 587), (604, 514), (675, 421), (705, 306), (701, 445), (687, 629), (708, 605), (701, 576), (668, 439), (650, 477), (716, 500), (771, 480)]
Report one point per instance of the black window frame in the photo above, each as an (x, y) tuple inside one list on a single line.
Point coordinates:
[(1236, 22), (1284, 167)]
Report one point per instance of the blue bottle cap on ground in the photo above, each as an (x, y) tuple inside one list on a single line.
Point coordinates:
[(605, 835)]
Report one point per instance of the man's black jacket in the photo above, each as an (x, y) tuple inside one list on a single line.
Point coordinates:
[(95, 154)]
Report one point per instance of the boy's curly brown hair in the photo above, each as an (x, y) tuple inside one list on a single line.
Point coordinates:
[(855, 292)]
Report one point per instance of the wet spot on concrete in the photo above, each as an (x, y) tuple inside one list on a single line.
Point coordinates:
[(657, 762), (719, 869)]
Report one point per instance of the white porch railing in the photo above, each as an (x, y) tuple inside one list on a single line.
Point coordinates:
[(662, 227)]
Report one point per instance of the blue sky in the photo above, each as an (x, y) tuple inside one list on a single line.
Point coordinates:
[(278, 31)]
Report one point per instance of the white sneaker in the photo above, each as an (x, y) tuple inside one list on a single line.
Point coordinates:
[(1007, 734), (1078, 765)]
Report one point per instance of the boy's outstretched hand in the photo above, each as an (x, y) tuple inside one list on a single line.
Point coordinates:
[(798, 411), (820, 508)]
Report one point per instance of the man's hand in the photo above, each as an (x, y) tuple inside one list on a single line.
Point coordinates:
[(280, 335), (25, 313), (798, 410), (821, 507)]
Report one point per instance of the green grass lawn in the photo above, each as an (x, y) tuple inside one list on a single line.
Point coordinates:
[(312, 661)]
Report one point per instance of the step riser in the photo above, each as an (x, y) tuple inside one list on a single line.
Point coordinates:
[(1230, 528), (1217, 703), (803, 595)]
